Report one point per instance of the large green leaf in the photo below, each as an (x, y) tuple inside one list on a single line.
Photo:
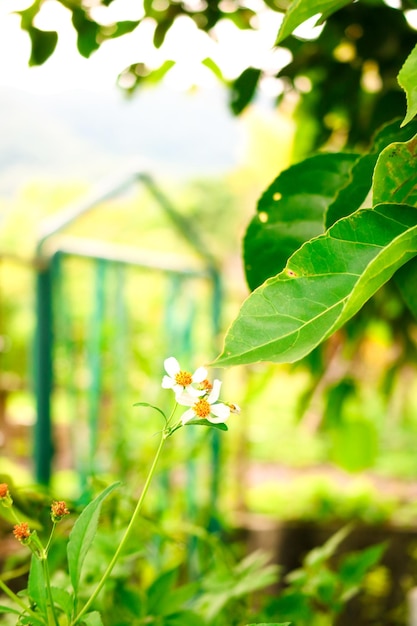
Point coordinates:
[(351, 197), (406, 281), (82, 535), (323, 285), (292, 211), (407, 80), (36, 584), (301, 10), (395, 176)]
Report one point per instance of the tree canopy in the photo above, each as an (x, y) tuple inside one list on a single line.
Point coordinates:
[(345, 78)]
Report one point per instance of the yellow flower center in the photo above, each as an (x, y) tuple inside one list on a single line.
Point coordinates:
[(183, 378), (206, 385), (202, 408)]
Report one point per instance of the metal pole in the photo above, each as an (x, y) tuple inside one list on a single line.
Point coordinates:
[(43, 375), (215, 435)]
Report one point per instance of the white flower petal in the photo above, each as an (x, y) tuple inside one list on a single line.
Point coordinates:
[(196, 393), (178, 389), (167, 382), (185, 399), (221, 412), (215, 392), (187, 416), (199, 375), (172, 367)]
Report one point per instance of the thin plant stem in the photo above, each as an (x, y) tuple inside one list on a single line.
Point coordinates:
[(50, 538), (48, 588), (16, 518), (18, 601), (128, 530)]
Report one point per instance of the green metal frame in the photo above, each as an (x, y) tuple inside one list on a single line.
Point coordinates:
[(47, 258)]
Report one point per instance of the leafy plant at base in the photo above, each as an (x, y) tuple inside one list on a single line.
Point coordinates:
[(45, 605), (223, 596), (317, 592)]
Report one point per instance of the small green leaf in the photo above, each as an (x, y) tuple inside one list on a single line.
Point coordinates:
[(319, 555), (407, 80), (123, 28), (82, 535), (161, 589), (162, 27), (220, 426), (43, 44), (242, 17), (243, 89), (63, 599), (152, 406), (185, 618), (213, 67), (355, 565), (271, 624), (87, 40), (156, 75), (301, 10), (324, 284), (28, 15), (92, 619)]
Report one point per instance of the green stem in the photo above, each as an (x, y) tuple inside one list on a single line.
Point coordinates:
[(16, 518), (126, 534), (18, 601), (50, 538), (48, 589)]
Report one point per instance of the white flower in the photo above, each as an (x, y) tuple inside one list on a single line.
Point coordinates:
[(205, 408), (181, 381)]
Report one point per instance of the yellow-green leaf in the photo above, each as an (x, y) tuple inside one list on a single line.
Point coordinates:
[(407, 80)]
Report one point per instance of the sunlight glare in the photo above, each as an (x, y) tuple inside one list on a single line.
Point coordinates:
[(309, 29), (231, 48), (411, 17)]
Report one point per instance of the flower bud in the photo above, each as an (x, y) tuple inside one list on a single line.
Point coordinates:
[(5, 497), (58, 510), (21, 532)]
